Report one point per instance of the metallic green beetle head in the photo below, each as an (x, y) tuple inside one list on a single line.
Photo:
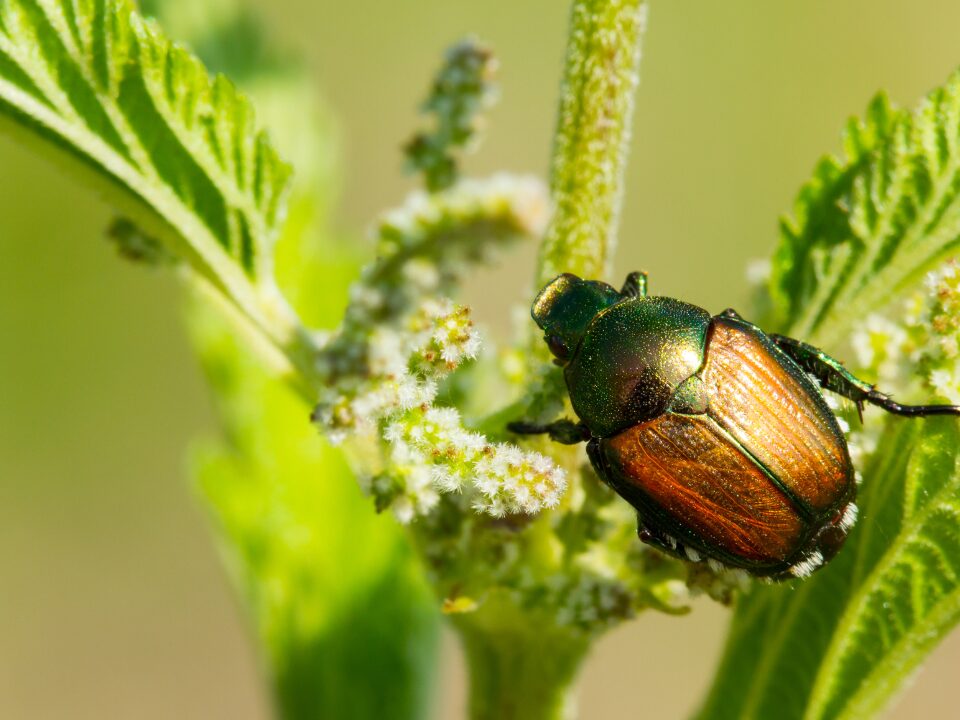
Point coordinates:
[(564, 309)]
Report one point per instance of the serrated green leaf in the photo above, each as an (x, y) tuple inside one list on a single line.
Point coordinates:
[(869, 225), (175, 149)]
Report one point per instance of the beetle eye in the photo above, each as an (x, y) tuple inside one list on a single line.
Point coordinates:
[(557, 346)]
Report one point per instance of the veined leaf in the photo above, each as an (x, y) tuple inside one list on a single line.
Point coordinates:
[(868, 227), (179, 151)]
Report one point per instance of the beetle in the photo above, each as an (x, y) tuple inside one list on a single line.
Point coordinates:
[(717, 433)]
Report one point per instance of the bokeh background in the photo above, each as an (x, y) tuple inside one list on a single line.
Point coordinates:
[(112, 599)]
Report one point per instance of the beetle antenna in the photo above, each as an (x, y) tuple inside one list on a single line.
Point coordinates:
[(880, 400)]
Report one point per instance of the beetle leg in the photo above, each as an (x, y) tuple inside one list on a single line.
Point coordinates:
[(564, 431), (593, 452), (668, 544), (635, 285), (731, 313), (652, 536), (833, 376), (672, 546)]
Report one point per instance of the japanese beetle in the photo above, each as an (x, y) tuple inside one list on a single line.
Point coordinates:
[(717, 433)]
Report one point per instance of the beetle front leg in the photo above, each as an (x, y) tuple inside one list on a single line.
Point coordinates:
[(635, 286), (833, 376), (563, 431)]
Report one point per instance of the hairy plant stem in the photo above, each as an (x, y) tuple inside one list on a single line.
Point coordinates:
[(591, 140), (592, 135), (522, 663)]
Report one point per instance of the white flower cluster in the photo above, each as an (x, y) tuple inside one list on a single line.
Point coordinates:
[(443, 226), (510, 480), (429, 449), (881, 345), (402, 369), (453, 339), (432, 447), (941, 319), (422, 250), (397, 341), (924, 344), (920, 345), (927, 336)]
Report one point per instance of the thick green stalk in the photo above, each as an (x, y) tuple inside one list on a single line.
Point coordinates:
[(590, 146), (522, 663), (593, 130)]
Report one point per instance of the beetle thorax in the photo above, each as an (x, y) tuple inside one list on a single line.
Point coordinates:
[(633, 359)]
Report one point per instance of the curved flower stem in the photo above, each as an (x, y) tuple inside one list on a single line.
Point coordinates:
[(592, 135)]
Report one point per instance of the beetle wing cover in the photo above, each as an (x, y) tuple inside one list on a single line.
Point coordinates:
[(776, 413), (686, 467)]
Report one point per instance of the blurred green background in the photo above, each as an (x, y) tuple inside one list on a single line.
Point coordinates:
[(112, 601)]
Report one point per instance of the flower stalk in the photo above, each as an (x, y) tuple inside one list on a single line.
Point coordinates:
[(522, 664), (523, 661), (592, 136)]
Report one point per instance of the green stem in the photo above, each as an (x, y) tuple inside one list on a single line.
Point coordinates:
[(589, 156), (283, 344), (593, 130), (522, 663)]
